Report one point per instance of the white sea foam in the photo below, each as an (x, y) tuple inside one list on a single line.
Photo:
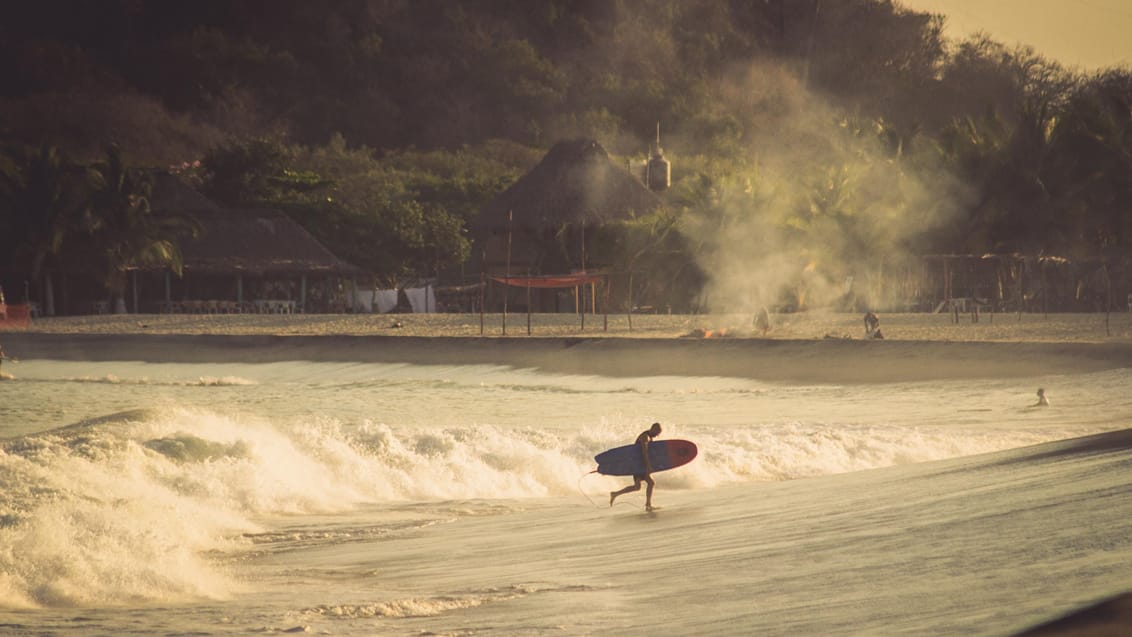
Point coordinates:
[(202, 381), (125, 507), (365, 499), (419, 607)]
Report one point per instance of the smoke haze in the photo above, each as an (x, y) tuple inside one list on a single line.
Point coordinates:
[(823, 204)]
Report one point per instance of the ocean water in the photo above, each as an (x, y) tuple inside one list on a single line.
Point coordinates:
[(380, 499)]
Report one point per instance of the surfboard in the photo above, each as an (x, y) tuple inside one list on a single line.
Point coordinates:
[(663, 455)]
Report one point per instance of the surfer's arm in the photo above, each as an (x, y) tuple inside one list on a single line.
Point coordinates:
[(645, 455)]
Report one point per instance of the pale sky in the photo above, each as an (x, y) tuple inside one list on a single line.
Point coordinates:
[(1088, 34)]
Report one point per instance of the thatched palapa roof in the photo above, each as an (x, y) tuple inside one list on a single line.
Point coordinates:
[(576, 182), (257, 242), (235, 241), (171, 194)]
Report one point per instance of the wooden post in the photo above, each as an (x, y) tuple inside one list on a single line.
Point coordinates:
[(629, 308), (302, 293), (483, 289), (1108, 300), (49, 295), (946, 278), (1021, 269), (583, 246), (605, 303), (922, 285), (507, 286), (1045, 295), (528, 302), (580, 303)]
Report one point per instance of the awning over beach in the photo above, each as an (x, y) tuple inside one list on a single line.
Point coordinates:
[(576, 281), (549, 281)]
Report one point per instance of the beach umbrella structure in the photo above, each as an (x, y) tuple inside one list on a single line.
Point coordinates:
[(576, 182), (537, 227)]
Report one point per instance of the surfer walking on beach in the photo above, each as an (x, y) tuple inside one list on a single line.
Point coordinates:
[(646, 477)]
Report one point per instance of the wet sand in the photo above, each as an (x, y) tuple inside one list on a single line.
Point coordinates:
[(805, 347)]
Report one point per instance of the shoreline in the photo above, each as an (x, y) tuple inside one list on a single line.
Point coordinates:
[(1037, 327), (776, 360)]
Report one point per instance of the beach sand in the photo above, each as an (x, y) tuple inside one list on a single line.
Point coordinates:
[(1051, 328), (803, 347)]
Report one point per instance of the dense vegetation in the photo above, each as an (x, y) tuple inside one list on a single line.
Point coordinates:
[(816, 136)]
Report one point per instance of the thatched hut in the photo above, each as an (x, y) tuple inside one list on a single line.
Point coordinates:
[(539, 224), (576, 182), (242, 260)]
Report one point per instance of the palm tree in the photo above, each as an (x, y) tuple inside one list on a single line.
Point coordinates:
[(123, 232), (1093, 145), (976, 149), (40, 197)]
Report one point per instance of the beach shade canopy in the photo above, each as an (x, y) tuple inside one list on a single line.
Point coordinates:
[(575, 183), (550, 281)]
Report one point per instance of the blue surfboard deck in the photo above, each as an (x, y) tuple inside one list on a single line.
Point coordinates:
[(663, 455)]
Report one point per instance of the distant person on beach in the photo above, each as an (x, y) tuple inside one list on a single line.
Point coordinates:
[(3, 357), (642, 442), (1042, 400), (762, 321), (872, 325)]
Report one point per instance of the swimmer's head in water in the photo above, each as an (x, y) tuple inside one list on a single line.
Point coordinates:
[(1041, 392)]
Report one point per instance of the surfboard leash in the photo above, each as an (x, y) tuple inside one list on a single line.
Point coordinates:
[(580, 490), (595, 504)]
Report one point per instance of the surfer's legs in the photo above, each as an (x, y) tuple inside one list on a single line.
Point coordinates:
[(636, 486), (648, 493)]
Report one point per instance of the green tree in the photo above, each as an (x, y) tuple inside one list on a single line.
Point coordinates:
[(1003, 154), (1092, 148), (975, 151), (371, 215), (38, 206), (250, 172), (120, 230)]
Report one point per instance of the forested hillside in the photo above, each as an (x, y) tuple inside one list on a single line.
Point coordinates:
[(828, 133)]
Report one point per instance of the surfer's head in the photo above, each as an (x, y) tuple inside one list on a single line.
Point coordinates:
[(654, 431), (1041, 392)]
